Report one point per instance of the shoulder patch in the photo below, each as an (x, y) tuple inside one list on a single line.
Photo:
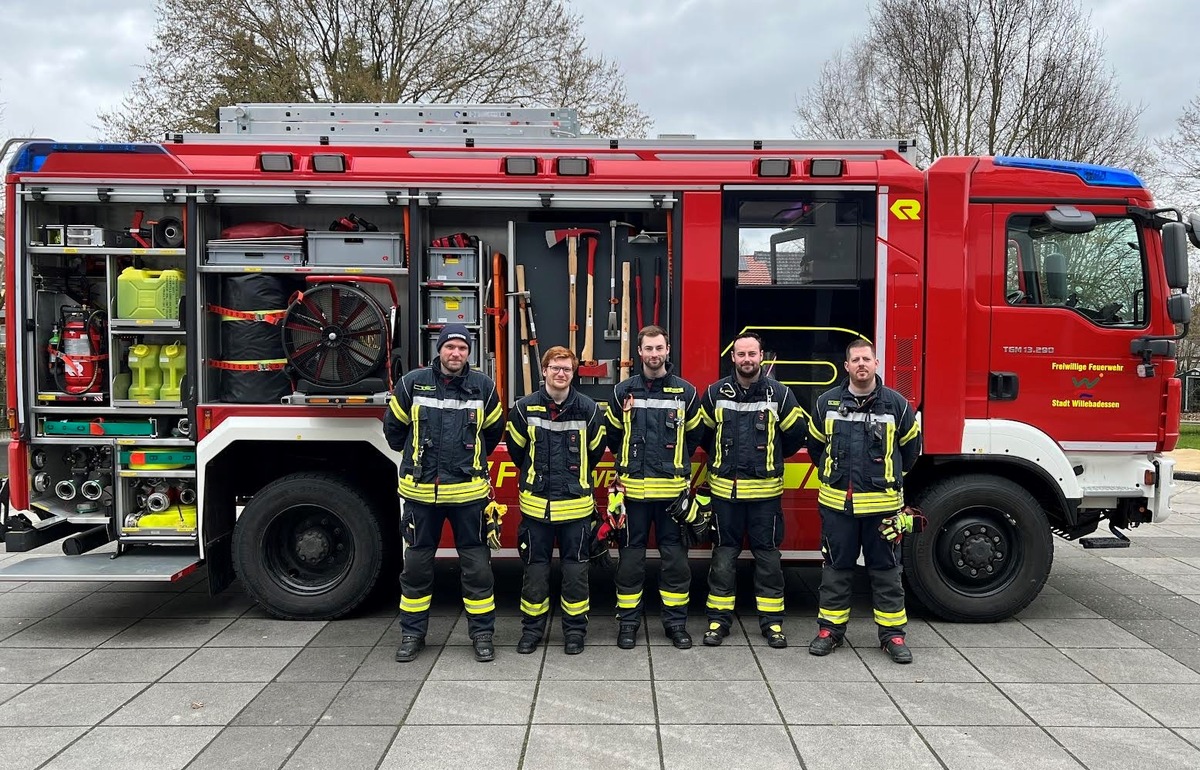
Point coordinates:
[(672, 390), (535, 408), (424, 387)]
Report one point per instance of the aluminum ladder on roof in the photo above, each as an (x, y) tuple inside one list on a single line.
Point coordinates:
[(438, 120)]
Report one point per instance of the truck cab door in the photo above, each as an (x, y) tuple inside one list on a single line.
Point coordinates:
[(1066, 306)]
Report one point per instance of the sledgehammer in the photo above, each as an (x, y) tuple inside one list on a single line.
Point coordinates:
[(572, 236)]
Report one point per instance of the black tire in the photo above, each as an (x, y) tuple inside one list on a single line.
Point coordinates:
[(308, 546), (983, 524)]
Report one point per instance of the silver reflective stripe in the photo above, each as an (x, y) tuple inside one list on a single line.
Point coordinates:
[(752, 406), (447, 403), (657, 403), (835, 415), (560, 425)]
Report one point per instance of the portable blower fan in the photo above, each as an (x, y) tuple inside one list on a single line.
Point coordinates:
[(336, 336)]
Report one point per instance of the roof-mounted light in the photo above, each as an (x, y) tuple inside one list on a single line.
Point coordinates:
[(774, 166), (33, 155), (826, 167), (572, 166), (521, 165), (275, 162), (1098, 176)]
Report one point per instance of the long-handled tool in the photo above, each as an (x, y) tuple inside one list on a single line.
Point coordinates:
[(522, 303), (572, 235), (589, 330), (637, 291), (612, 332), (626, 363), (657, 287)]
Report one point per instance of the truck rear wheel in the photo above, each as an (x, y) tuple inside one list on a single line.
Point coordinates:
[(308, 546), (986, 550)]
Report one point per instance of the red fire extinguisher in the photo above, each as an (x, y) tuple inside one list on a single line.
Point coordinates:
[(76, 351)]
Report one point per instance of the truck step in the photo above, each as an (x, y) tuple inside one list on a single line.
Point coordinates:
[(131, 567), (1118, 540)]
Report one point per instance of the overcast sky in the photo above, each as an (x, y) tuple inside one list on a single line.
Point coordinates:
[(714, 68)]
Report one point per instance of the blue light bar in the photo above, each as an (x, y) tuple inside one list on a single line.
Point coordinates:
[(34, 154), (1099, 176)]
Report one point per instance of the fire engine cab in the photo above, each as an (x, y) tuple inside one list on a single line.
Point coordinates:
[(203, 333)]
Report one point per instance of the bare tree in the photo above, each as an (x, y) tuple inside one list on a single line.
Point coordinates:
[(1178, 166), (210, 53), (978, 77)]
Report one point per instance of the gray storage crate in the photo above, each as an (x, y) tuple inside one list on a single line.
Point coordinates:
[(354, 249), (473, 358), (444, 306), (459, 265), (254, 254)]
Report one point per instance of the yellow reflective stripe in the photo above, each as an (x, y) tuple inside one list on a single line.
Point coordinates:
[(460, 492), (478, 442), (653, 489), (575, 608), (595, 443), (611, 416), (673, 599), (697, 418), (770, 442), (560, 510), (515, 435), (495, 415), (889, 466), (530, 475), (416, 433), (837, 617), (679, 443), (720, 426), (398, 410), (419, 604), (787, 422), (891, 619), (832, 498), (769, 604), (479, 606), (706, 418), (529, 608), (628, 601), (720, 602), (747, 489), (913, 432), (815, 432), (627, 419), (876, 502)]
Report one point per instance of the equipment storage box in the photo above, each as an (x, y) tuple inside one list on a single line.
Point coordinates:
[(473, 358), (354, 249), (447, 306), (447, 264), (152, 294), (248, 251)]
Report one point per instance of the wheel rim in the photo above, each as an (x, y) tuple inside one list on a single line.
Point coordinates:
[(308, 549), (978, 551)]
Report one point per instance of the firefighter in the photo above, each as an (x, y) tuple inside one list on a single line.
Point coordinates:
[(752, 424), (555, 438), (445, 419), (653, 428), (875, 440)]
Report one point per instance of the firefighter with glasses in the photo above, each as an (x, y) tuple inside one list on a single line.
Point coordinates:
[(752, 424), (863, 438), (555, 438), (654, 427), (445, 419)]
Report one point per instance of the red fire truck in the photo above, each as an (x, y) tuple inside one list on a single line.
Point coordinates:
[(202, 332)]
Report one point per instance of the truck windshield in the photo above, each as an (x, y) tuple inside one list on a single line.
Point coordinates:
[(1100, 274)]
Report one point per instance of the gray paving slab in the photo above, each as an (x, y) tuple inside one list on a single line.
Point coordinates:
[(227, 604), (68, 632), (1173, 705), (249, 748), (934, 664), (371, 703), (1076, 705), (967, 704), (1160, 633), (1074, 632), (836, 703), (480, 747), (725, 745), (1154, 565), (1113, 748), (700, 662), (169, 632), (593, 702), (380, 666), (324, 664), (1133, 666), (233, 664), (457, 662), (837, 748), (10, 626), (189, 703), (125, 604), (33, 665), (9, 691), (607, 662), (1028, 665), (142, 665), (1007, 633), (36, 604), (795, 664), (154, 748), (997, 748), (591, 747), (473, 703), (21, 747), (267, 632), (65, 705), (287, 704), (352, 632), (715, 702), (864, 634), (438, 634), (342, 747), (1116, 606), (1056, 606)]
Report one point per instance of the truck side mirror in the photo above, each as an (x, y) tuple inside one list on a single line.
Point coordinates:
[(1054, 266), (1069, 219), (1193, 229), (1175, 260), (1179, 308)]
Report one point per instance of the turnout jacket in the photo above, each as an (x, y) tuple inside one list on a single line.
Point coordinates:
[(444, 427), (863, 452), (653, 429), (555, 448), (748, 434)]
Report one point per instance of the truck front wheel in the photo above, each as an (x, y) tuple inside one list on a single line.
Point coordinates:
[(308, 546), (986, 550)]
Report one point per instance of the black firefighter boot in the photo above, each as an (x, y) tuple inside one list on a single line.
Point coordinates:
[(485, 650), (410, 646), (627, 636)]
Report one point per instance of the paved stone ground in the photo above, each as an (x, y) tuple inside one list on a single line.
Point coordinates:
[(1100, 672)]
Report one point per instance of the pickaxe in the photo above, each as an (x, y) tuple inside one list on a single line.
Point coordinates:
[(572, 236)]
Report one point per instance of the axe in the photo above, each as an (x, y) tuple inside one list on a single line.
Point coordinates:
[(572, 236)]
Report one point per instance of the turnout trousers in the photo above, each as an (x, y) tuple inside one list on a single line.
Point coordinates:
[(843, 535), (762, 522), (536, 539), (421, 526), (675, 578)]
